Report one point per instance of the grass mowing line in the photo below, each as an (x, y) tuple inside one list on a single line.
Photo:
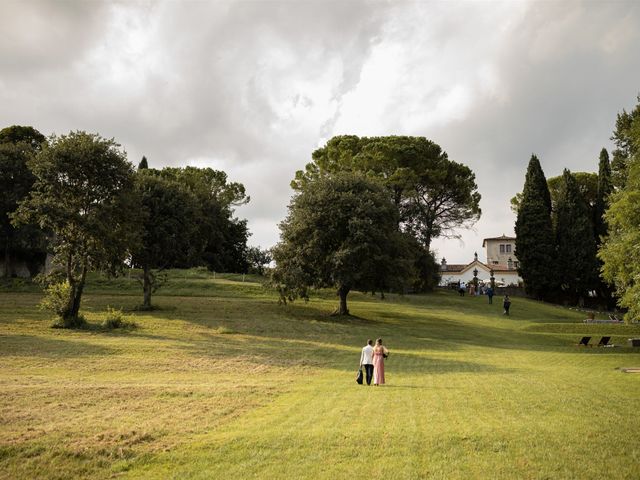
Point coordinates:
[(471, 393)]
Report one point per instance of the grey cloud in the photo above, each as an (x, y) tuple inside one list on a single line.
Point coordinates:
[(39, 35), (252, 87)]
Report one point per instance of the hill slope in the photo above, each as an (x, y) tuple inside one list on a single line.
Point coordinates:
[(221, 381)]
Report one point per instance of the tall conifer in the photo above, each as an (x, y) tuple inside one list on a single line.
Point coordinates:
[(577, 266), (535, 245), (604, 190), (600, 227)]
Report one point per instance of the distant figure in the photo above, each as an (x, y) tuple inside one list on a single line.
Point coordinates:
[(490, 295), (472, 290), (379, 354), (366, 360), (461, 289), (506, 303)]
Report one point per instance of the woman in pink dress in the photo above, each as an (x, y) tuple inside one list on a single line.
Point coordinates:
[(379, 354)]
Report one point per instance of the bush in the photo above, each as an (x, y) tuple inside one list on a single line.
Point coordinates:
[(56, 300), (115, 319)]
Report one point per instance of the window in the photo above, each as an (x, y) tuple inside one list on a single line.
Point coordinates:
[(502, 248), (508, 247), (495, 262)]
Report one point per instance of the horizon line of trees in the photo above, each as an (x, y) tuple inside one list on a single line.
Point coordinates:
[(78, 198), (575, 233)]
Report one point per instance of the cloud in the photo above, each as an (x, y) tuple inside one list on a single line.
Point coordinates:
[(254, 87)]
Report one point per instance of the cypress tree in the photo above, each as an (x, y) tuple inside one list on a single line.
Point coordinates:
[(577, 264), (600, 227), (535, 244), (143, 163), (604, 190)]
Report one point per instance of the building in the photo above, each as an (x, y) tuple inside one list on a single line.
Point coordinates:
[(501, 251), (500, 261)]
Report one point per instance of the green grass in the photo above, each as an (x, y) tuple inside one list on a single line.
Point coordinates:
[(221, 382)]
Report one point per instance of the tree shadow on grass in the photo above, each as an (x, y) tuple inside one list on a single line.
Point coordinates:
[(409, 325), (36, 346), (298, 353)]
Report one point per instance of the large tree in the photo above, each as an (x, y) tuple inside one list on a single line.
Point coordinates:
[(258, 259), (626, 147), (576, 261), (18, 144), (82, 195), (600, 227), (587, 184), (620, 252), (341, 232), (535, 243), (169, 232), (226, 244), (434, 195), (603, 192)]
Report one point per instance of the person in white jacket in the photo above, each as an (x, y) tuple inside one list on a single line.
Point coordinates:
[(366, 360)]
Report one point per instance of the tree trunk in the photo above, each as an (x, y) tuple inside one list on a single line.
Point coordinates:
[(147, 284), (77, 297), (71, 317), (343, 291), (7, 260)]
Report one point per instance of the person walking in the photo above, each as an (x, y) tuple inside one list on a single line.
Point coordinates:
[(380, 352), (366, 360), (461, 288), (506, 303), (490, 294)]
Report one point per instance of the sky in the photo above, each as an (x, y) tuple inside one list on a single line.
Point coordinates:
[(253, 88)]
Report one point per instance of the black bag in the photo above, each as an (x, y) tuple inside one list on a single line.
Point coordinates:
[(359, 377)]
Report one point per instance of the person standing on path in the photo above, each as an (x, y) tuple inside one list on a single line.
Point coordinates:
[(506, 303), (379, 354), (490, 294), (366, 360)]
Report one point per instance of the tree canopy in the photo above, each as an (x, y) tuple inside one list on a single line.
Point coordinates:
[(535, 243), (169, 231), (226, 236), (18, 145), (144, 164), (82, 195), (625, 135), (341, 232), (576, 259), (587, 185), (620, 251), (433, 194)]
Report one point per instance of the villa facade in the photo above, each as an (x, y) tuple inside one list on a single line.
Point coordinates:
[(500, 259)]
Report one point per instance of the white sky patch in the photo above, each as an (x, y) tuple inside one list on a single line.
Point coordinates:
[(252, 88)]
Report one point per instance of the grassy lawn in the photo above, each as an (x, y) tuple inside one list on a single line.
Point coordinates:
[(221, 382)]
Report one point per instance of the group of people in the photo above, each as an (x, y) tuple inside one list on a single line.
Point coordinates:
[(372, 359), (481, 289), (485, 290)]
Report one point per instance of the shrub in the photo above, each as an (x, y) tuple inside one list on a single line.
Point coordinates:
[(56, 300), (115, 319)]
